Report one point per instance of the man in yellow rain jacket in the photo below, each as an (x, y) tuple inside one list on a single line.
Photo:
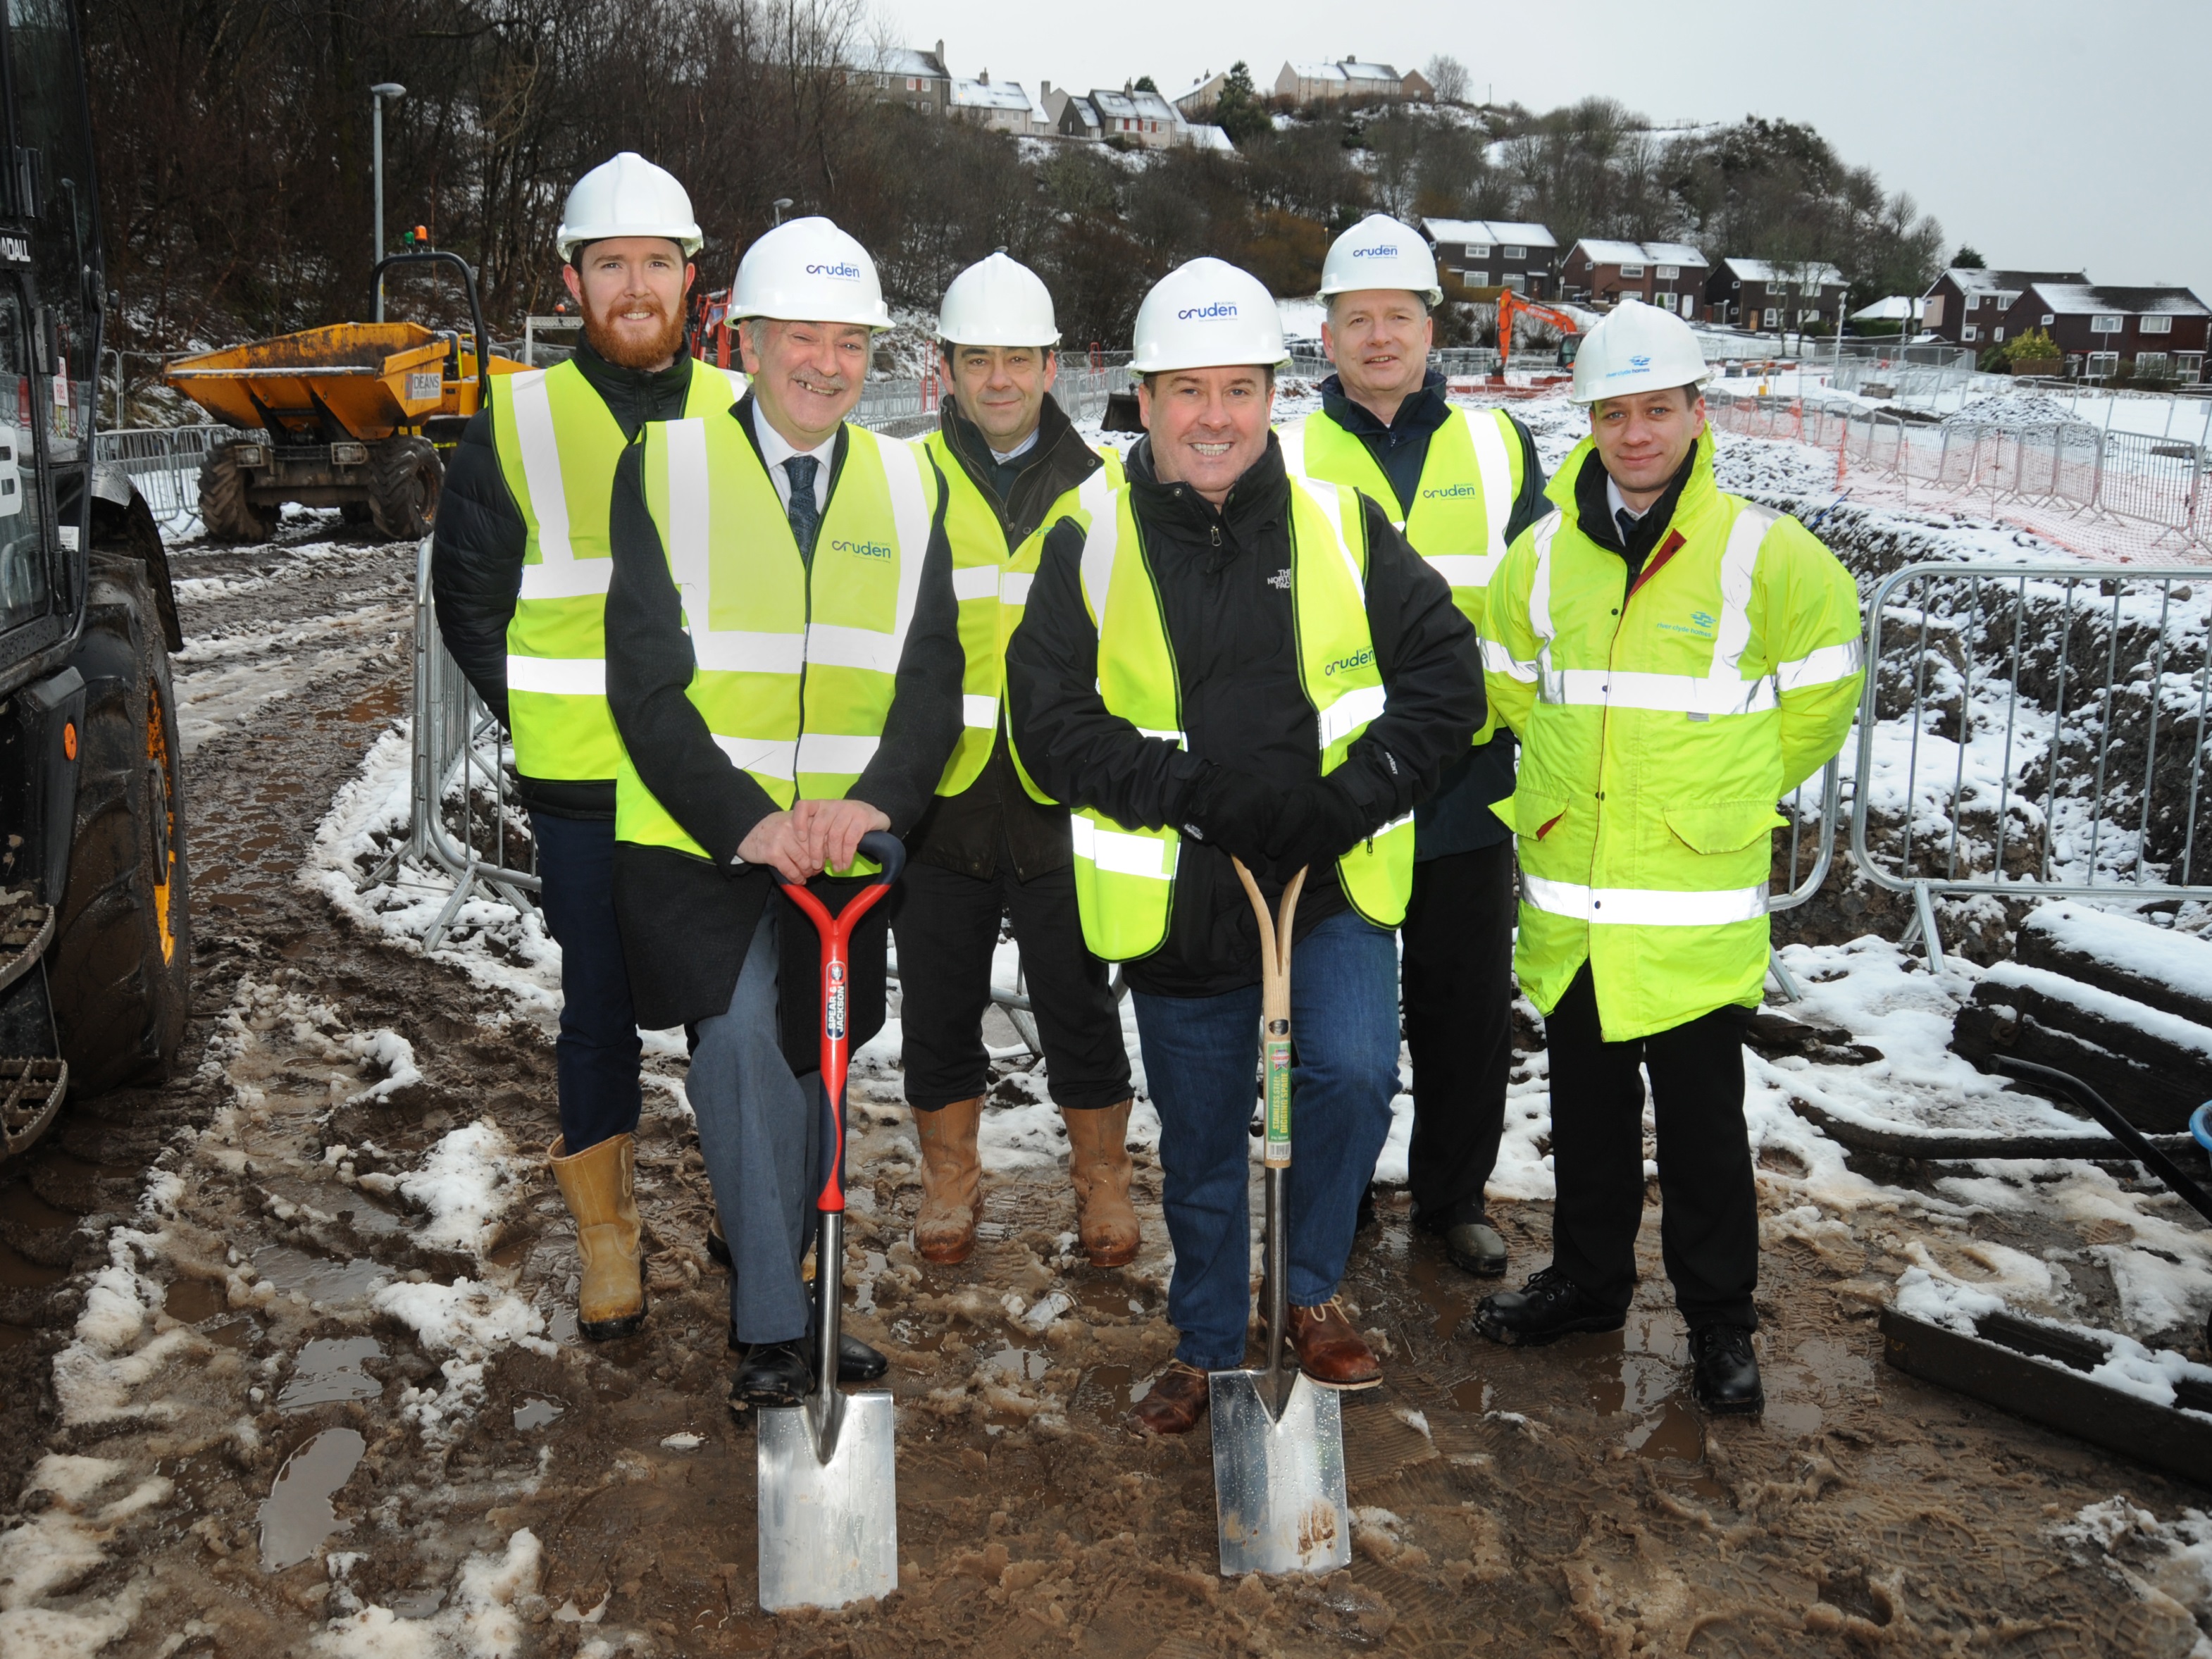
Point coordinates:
[(1675, 660)]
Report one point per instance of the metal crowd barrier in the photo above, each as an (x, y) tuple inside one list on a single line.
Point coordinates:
[(164, 463), (2032, 731)]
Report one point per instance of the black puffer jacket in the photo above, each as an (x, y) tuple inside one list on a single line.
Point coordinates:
[(1224, 592), (476, 560)]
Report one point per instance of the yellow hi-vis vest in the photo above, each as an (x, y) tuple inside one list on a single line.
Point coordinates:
[(795, 666), (557, 444), (1657, 733), (991, 581), (1125, 876)]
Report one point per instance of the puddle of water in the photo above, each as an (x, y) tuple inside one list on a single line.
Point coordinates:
[(297, 1516), (1472, 1396), (237, 1333), (1674, 1432), (513, 1253), (1104, 1393), (329, 1369), (19, 1204), (320, 1279), (15, 1336), (1026, 1363), (20, 1272), (562, 1327), (1439, 1286), (417, 1603), (191, 1300), (535, 1413), (378, 705)]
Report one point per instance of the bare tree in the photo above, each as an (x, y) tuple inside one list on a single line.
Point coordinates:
[(1449, 76)]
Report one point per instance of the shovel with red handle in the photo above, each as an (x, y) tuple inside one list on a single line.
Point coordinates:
[(828, 1511)]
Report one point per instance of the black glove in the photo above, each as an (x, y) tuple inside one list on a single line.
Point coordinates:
[(1233, 811), (1318, 823)]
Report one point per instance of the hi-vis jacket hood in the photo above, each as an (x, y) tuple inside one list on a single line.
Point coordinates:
[(1662, 720)]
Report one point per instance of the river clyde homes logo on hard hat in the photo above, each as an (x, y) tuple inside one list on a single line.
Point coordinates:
[(1636, 366), (862, 549), (844, 268), (1195, 313)]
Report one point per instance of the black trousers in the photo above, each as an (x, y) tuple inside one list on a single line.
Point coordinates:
[(947, 929), (1455, 979), (1708, 1206), (596, 1056)]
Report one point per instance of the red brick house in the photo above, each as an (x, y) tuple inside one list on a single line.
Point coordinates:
[(1496, 253), (1670, 275), (2159, 330), (1773, 294), (1966, 305)]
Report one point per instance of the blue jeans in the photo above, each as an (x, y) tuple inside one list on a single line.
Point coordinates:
[(1201, 1056), (596, 1056)]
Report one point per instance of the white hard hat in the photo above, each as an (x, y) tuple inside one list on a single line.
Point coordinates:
[(997, 301), (1381, 253), (1639, 348), (628, 197), (1207, 314), (807, 271)]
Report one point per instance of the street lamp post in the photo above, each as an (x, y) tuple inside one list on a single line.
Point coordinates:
[(780, 204), (378, 93)]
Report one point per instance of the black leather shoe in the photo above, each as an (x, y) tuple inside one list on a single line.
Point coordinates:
[(1726, 1381), (773, 1373), (1548, 1307), (1472, 1244), (856, 1361)]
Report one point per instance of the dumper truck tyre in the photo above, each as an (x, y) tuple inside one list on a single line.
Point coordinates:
[(406, 478), (119, 971), (224, 509)]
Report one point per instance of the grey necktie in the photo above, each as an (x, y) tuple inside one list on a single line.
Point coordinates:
[(805, 517), (1621, 516)]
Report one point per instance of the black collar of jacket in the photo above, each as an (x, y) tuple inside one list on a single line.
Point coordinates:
[(742, 412), (632, 388), (1256, 504), (1058, 462), (1425, 411), (1594, 513)]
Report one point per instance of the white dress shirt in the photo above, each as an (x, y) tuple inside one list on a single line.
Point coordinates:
[(776, 450)]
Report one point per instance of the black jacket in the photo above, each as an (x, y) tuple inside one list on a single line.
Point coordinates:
[(1457, 818), (1225, 597), (476, 560), (994, 816), (687, 921)]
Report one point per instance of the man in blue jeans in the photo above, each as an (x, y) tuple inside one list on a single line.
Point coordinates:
[(1238, 663)]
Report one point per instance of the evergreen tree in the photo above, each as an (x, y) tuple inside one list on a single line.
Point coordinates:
[(1238, 112)]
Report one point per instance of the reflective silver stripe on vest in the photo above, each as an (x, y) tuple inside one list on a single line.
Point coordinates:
[(977, 711), (1739, 565), (1014, 586), (560, 677), (1098, 564), (770, 757), (974, 582), (1497, 474), (559, 573), (689, 524), (1665, 693), (1354, 708), (829, 751), (1464, 569), (1498, 660), (1331, 510), (1294, 441), (1639, 906), (736, 651), (1825, 666), (1118, 853), (1175, 738)]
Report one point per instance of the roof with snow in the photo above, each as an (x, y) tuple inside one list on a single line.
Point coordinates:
[(1369, 72), (1206, 137), (1492, 232), (2081, 299), (1318, 71), (1784, 272), (990, 95), (1085, 112), (1897, 309), (1133, 105), (1600, 253), (907, 60), (1969, 279)]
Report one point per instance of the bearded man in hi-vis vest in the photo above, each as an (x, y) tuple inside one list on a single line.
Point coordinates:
[(1676, 661), (1238, 663), (1460, 483), (519, 570), (785, 667)]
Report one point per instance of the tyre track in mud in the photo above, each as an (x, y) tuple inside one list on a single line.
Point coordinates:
[(1566, 1499)]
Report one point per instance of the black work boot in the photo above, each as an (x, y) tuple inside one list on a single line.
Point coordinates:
[(1726, 1380), (1473, 1245), (856, 1361), (1548, 1307), (773, 1373)]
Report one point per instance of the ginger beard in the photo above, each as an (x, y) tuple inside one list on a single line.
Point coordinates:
[(632, 342)]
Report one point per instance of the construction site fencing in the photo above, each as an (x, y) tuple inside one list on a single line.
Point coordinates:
[(903, 401), (164, 464), (2031, 731), (2089, 489)]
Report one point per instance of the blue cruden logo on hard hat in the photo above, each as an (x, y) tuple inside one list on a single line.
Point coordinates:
[(1219, 308), (864, 549), (1379, 252), (844, 268)]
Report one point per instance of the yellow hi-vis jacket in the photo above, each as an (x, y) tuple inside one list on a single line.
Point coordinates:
[(1658, 730), (557, 444), (991, 582), (796, 661)]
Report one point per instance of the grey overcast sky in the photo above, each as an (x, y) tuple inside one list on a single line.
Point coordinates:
[(2048, 134)]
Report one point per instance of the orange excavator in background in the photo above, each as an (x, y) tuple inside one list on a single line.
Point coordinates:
[(1512, 304)]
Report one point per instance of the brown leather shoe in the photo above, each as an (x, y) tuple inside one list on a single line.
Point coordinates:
[(1098, 1165), (1175, 1403), (952, 1182), (1329, 1351)]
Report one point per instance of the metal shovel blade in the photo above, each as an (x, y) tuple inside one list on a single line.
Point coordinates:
[(829, 1526), (1278, 1481)]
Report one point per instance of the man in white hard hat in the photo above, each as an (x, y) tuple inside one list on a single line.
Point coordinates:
[(991, 846), (1461, 485), (1676, 661), (784, 665), (519, 569), (1242, 665)]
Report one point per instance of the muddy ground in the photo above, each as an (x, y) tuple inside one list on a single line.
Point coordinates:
[(197, 1281)]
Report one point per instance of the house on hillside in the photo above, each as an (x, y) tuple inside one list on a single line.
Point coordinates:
[(1966, 305), (1143, 118), (1493, 252), (1669, 274), (1770, 293), (1197, 101), (1073, 115), (1000, 104), (2161, 330), (909, 75), (1348, 78)]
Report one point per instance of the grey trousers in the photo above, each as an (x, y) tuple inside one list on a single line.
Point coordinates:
[(760, 1133)]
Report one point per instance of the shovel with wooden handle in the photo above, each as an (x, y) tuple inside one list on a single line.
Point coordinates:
[(1278, 1440), (828, 1472)]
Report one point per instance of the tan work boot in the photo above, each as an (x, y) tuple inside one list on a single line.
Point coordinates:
[(596, 1185), (1099, 1165), (952, 1182)]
